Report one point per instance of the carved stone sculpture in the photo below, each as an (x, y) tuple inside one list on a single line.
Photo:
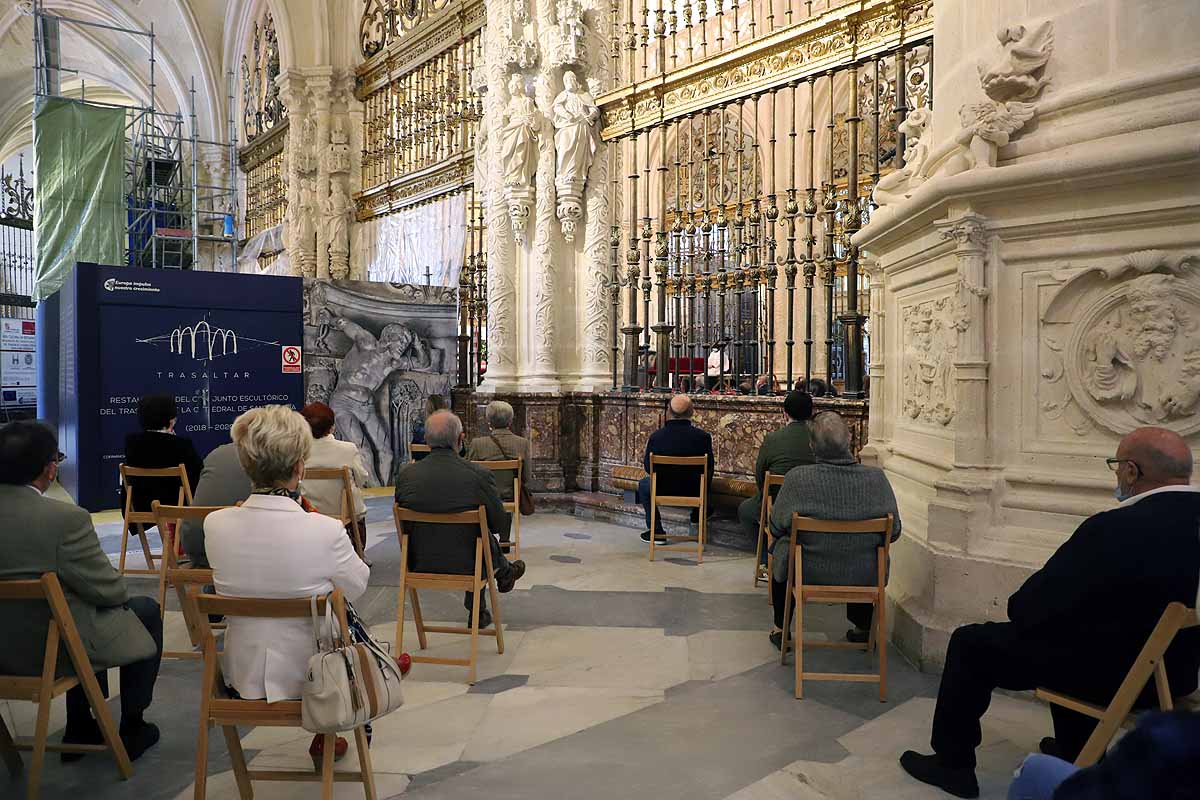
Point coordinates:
[(903, 182), (575, 141), (339, 148), (304, 238), (929, 347), (518, 44), (522, 126), (306, 156), (338, 209), (570, 45)]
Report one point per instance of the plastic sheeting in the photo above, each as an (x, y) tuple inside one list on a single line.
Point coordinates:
[(268, 241), (79, 199), (397, 248)]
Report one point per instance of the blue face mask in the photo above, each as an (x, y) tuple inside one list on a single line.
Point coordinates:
[(1121, 495)]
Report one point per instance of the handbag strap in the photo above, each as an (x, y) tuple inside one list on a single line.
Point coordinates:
[(499, 447), (316, 621)]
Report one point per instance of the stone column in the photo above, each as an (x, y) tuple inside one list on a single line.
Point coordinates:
[(292, 91), (320, 88)]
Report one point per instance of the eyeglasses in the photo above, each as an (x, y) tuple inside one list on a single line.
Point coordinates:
[(1114, 463)]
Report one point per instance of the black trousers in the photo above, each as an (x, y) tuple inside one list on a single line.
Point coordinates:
[(137, 679), (859, 614), (995, 655), (500, 569)]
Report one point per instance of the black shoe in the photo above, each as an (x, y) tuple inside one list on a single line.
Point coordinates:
[(87, 733), (506, 584), (777, 639), (485, 618), (958, 781), (657, 541), (858, 636), (139, 738), (1049, 746)]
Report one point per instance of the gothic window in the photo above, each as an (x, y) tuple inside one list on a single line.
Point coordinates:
[(262, 108)]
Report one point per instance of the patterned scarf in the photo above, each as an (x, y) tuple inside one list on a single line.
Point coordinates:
[(279, 491)]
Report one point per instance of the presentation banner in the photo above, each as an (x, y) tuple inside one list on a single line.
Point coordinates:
[(219, 343), (18, 363)]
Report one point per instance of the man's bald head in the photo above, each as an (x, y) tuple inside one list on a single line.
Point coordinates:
[(443, 429), (681, 406), (1162, 457)]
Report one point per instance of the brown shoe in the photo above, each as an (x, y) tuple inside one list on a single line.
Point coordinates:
[(506, 584)]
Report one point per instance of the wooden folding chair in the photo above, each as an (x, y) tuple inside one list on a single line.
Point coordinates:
[(140, 519), (762, 572), (44, 688), (679, 501), (876, 595), (415, 449), (475, 583), (218, 708), (1175, 617), (171, 562), (346, 514), (511, 506)]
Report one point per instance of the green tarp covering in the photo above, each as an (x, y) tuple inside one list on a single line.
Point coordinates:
[(79, 204)]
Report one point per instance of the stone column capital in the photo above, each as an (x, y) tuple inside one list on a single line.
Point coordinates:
[(969, 232)]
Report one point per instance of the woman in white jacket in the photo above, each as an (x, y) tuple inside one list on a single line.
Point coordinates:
[(270, 548)]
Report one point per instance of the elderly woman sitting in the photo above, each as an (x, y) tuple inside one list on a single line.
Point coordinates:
[(837, 487), (327, 451), (271, 548)]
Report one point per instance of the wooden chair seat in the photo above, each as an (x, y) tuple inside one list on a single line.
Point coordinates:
[(799, 593), (139, 520), (346, 513), (44, 688), (516, 466), (475, 583), (693, 543), (762, 571), (219, 709), (1149, 662)]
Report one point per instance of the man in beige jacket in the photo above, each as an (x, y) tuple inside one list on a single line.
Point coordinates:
[(502, 445)]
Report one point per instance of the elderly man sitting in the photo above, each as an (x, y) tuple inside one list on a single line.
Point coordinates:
[(445, 483), (501, 445), (678, 437), (837, 487)]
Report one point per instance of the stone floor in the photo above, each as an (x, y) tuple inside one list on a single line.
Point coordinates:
[(620, 678)]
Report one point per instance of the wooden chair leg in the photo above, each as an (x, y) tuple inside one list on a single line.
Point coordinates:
[(146, 546), (400, 600), (327, 766), (168, 541), (124, 546), (653, 524), (799, 640), (882, 644), (496, 614), (418, 618), (40, 731), (8, 750), (787, 618), (1162, 686), (237, 758), (364, 763), (471, 673), (758, 554), (770, 576)]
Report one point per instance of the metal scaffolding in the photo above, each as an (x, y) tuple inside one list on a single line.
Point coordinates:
[(172, 218)]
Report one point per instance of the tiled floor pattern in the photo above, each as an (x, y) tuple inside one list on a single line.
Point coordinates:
[(620, 678)]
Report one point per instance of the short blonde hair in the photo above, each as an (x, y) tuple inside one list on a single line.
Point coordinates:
[(270, 442)]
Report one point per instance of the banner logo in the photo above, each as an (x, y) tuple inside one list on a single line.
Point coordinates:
[(205, 342)]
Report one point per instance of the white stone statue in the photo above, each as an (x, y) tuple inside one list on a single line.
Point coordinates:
[(900, 184), (305, 237), (306, 157), (338, 209), (339, 147), (570, 47), (576, 139), (519, 136)]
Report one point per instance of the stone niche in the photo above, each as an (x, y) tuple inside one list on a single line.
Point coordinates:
[(1037, 294)]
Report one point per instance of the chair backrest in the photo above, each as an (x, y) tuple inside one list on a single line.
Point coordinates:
[(406, 518), (512, 465), (178, 472), (342, 475), (675, 462), (772, 483), (878, 525), (48, 590), (196, 514), (419, 451)]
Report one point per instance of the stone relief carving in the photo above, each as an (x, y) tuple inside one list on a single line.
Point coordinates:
[(570, 46), (339, 147), (930, 342), (306, 156), (597, 355), (545, 266), (517, 41), (338, 211), (903, 182), (304, 231), (1126, 355), (523, 125), (576, 138)]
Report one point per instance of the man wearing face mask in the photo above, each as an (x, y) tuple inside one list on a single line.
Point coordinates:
[(1079, 622)]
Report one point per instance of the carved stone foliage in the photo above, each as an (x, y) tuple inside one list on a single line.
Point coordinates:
[(385, 20), (930, 343), (262, 108), (1120, 345)]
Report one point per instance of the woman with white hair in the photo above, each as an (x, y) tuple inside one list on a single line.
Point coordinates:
[(270, 548)]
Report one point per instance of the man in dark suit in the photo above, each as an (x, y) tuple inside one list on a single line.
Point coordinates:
[(156, 447), (39, 535), (1078, 624), (678, 437), (781, 450), (445, 483)]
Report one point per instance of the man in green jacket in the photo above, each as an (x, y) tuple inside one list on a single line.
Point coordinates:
[(781, 450), (39, 535)]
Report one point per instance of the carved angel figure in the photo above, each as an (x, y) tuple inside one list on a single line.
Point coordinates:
[(995, 122), (1023, 53), (575, 137), (901, 183), (519, 136), (1110, 373)]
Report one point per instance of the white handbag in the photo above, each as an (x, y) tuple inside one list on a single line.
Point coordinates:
[(349, 683)]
